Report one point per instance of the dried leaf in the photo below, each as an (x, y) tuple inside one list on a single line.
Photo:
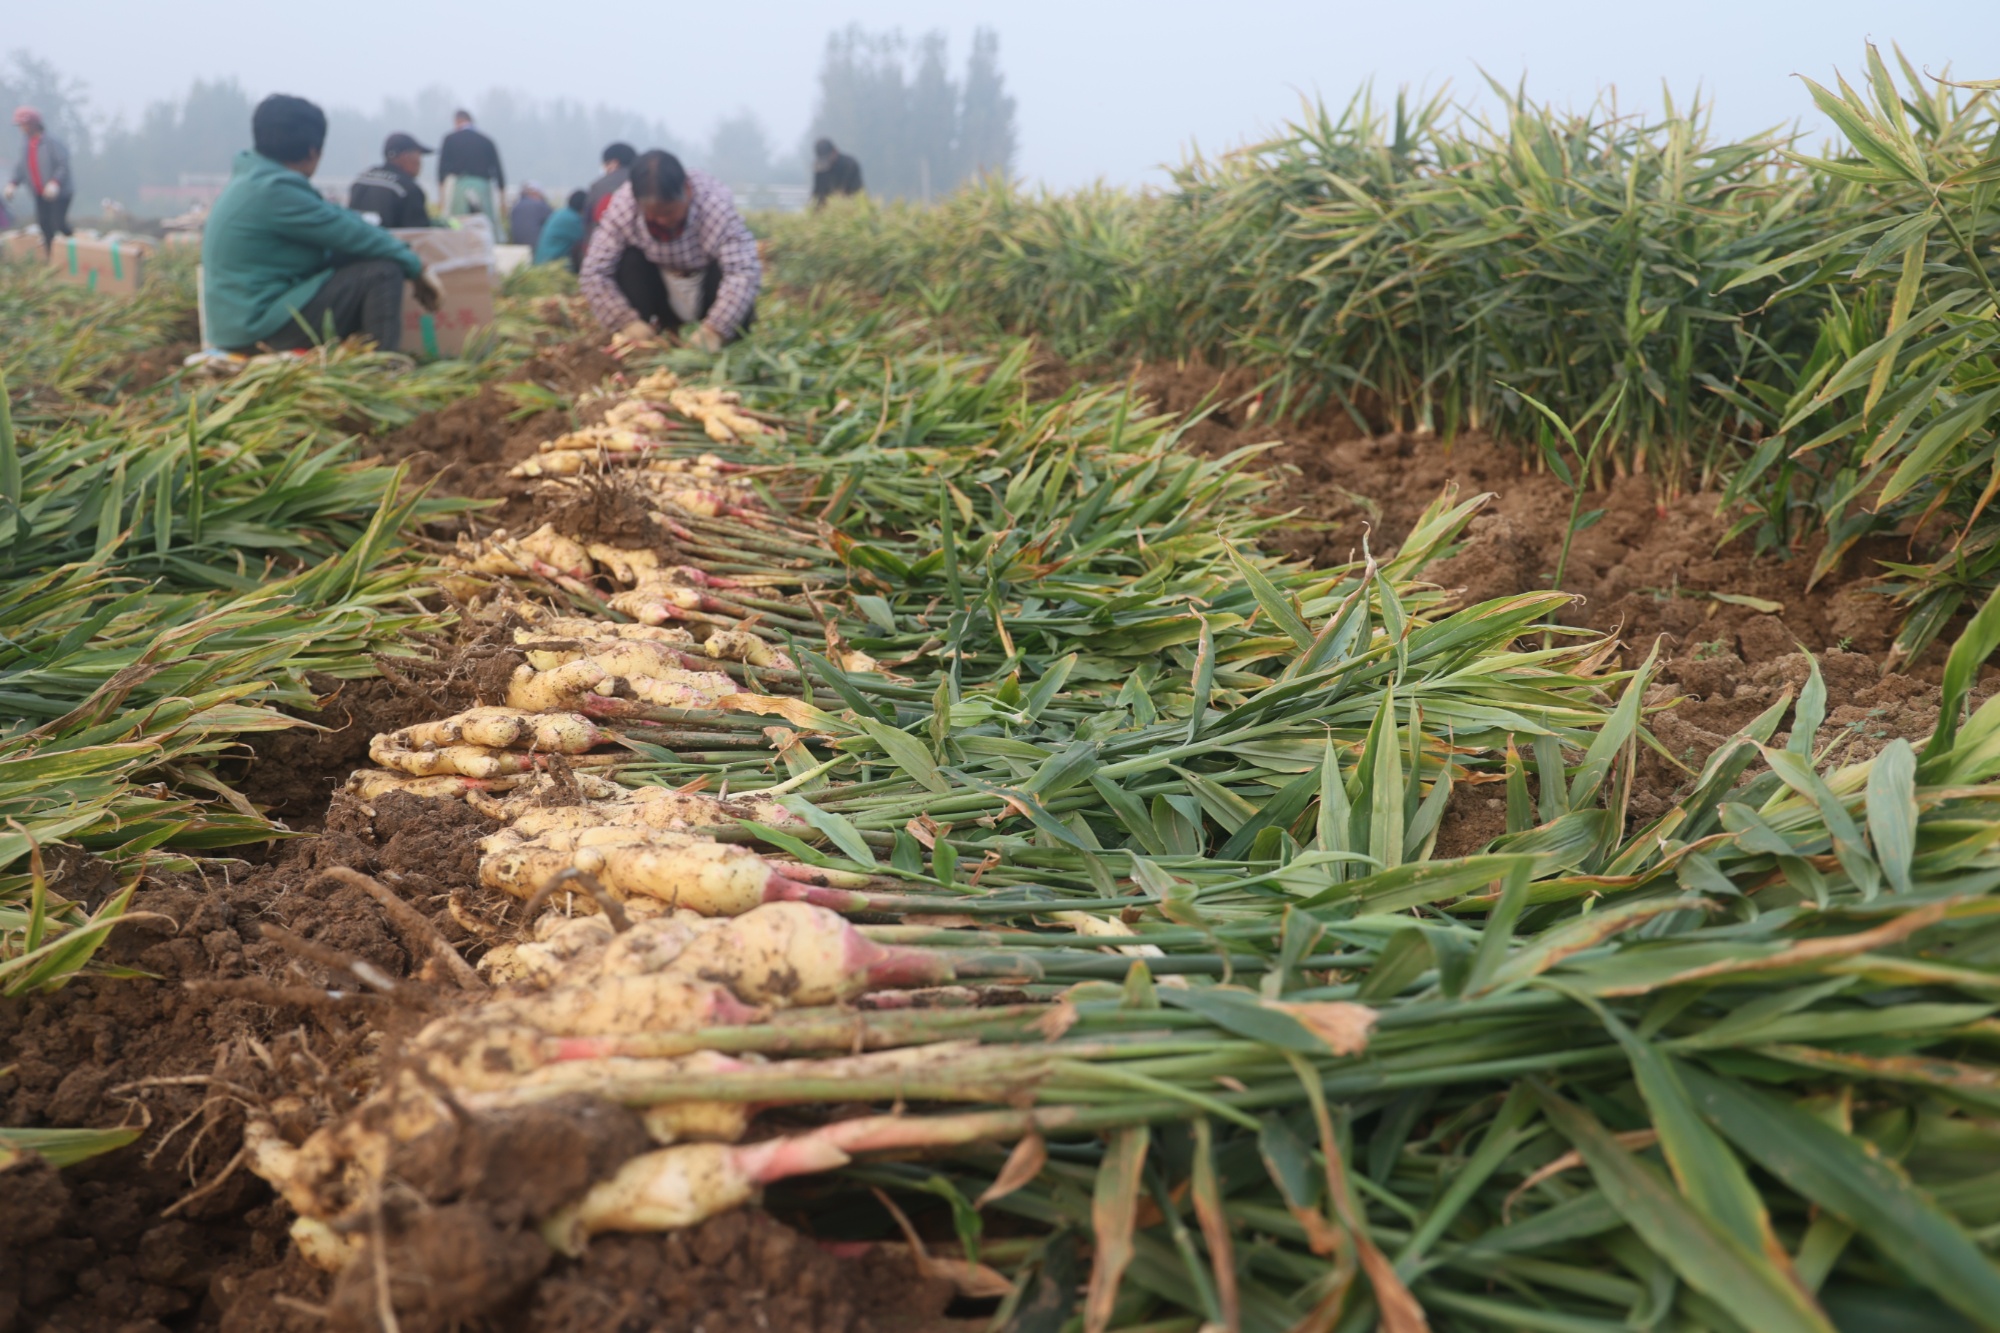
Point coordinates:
[(1023, 1165), (1344, 1027), (1211, 1215), (1060, 1018), (795, 711), (1114, 1214), (1763, 604)]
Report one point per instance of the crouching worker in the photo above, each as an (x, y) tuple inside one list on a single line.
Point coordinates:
[(283, 268), (671, 250)]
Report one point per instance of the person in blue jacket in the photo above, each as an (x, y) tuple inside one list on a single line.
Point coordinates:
[(562, 234), (284, 268)]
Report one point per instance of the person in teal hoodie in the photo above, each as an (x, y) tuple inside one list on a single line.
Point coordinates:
[(562, 233), (284, 268)]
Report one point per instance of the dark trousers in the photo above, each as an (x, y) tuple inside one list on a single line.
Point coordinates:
[(364, 297), (639, 279), (52, 216)]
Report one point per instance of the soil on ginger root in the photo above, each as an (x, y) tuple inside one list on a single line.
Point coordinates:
[(170, 1234), (1644, 571)]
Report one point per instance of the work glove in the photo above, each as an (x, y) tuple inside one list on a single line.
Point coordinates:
[(705, 339), (52, 191), (425, 288)]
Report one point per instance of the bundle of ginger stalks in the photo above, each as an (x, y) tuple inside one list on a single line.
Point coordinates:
[(988, 819)]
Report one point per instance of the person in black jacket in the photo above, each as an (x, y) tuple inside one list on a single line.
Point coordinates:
[(390, 191), (834, 172), (469, 176)]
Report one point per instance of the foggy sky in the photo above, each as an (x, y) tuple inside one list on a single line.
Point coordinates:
[(1105, 90)]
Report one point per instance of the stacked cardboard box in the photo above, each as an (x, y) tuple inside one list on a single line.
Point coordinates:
[(115, 264)]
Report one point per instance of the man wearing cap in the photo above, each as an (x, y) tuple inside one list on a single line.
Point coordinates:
[(44, 169), (390, 191), (281, 267), (469, 176)]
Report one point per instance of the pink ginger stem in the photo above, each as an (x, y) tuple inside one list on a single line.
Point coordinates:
[(893, 967), (778, 889)]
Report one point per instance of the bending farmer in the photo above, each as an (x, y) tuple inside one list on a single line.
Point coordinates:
[(283, 268), (44, 169), (671, 249), (834, 173)]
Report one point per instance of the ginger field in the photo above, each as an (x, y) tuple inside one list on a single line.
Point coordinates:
[(929, 820)]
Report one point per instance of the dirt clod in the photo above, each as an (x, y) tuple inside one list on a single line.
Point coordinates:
[(742, 1270)]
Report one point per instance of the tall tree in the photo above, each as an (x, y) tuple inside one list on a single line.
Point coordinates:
[(918, 131), (931, 128), (863, 104), (740, 151), (197, 136), (986, 138)]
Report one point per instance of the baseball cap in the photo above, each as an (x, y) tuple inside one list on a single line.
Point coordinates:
[(400, 143), (27, 115)]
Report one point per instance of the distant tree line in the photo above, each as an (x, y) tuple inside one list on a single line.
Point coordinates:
[(554, 142), (917, 131)]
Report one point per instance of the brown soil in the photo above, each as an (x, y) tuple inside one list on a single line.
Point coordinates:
[(293, 774), (469, 445)]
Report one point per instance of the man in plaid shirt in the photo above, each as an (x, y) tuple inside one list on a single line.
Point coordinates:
[(671, 249)]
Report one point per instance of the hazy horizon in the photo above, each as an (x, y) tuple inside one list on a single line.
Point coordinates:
[(1102, 94)]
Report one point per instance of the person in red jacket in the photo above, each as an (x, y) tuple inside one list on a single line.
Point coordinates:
[(44, 169)]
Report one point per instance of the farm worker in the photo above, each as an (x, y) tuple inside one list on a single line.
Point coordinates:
[(562, 235), (530, 215), (834, 172), (618, 159), (469, 176), (671, 249), (44, 169), (390, 191), (280, 264)]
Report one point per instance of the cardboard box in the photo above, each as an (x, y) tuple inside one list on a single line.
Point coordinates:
[(115, 264), (466, 308), (112, 264), (461, 261)]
